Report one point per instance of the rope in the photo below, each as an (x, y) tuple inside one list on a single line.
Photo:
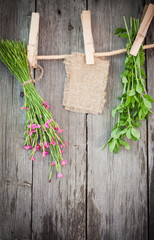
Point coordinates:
[(104, 54), (31, 75)]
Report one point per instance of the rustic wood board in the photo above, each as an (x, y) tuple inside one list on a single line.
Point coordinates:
[(117, 184), (102, 195), (59, 209), (16, 169), (150, 87)]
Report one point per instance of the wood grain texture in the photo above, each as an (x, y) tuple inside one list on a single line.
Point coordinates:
[(59, 207), (117, 184), (16, 169), (150, 86)]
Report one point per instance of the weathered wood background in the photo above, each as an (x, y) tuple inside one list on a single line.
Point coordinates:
[(102, 195)]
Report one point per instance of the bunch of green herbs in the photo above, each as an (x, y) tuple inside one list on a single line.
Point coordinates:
[(135, 103)]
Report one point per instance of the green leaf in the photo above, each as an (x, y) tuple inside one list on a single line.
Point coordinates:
[(123, 123), (112, 144), (131, 92), (143, 82), (128, 100), (115, 133), (114, 112), (138, 88), (140, 114), (124, 35), (147, 103), (124, 79), (149, 98), (116, 148), (137, 59), (120, 30), (128, 133), (125, 144), (137, 124), (142, 59), (135, 133), (143, 73)]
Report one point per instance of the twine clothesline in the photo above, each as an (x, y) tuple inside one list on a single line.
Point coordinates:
[(104, 54), (56, 57)]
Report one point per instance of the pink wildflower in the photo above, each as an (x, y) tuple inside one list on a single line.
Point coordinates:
[(53, 164), (60, 175), (44, 103), (61, 146), (44, 153), (30, 132), (55, 128), (37, 148), (24, 108), (53, 143), (46, 145), (49, 120), (27, 147), (32, 158), (46, 125), (40, 116), (63, 162), (60, 130), (62, 151), (47, 106)]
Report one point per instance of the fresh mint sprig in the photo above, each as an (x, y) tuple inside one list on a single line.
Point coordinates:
[(135, 103)]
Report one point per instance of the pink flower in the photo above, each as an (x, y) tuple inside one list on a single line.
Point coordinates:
[(29, 121), (24, 108), (44, 153), (30, 132), (46, 125), (62, 151), (60, 175), (49, 120), (37, 148), (63, 162), (44, 103), (60, 130), (32, 158), (47, 106), (53, 164), (33, 126), (40, 116), (53, 143), (27, 147), (61, 146), (55, 128), (46, 145)]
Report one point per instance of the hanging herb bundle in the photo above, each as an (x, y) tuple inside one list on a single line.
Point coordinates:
[(135, 103), (42, 133)]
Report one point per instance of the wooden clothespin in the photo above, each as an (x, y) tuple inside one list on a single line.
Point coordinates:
[(33, 40), (147, 18), (87, 35)]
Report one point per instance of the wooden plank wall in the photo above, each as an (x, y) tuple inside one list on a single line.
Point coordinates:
[(102, 196)]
